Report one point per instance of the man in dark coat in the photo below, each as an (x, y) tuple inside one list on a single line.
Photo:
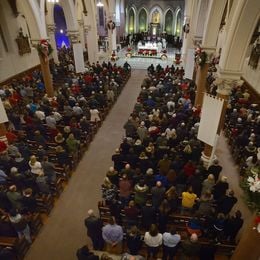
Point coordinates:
[(94, 226), (227, 202), (215, 169)]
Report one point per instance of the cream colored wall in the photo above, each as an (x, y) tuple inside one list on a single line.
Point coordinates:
[(11, 63), (252, 76)]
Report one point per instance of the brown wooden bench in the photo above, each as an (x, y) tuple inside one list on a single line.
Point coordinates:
[(19, 246)]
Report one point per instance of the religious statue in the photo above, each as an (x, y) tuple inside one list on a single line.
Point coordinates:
[(23, 43), (156, 17)]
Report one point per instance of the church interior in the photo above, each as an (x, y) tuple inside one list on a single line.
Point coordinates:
[(129, 129)]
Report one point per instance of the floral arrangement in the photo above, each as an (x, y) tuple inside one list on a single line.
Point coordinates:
[(251, 187), (177, 58), (164, 56), (129, 52), (111, 25), (254, 183), (257, 223), (200, 57), (44, 48)]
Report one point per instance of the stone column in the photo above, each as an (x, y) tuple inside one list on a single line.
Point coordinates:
[(51, 33), (46, 74), (188, 19), (112, 36), (82, 34), (74, 37), (201, 77), (91, 36), (248, 246), (112, 33), (92, 43)]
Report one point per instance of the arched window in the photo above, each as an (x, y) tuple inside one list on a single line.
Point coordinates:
[(142, 20), (178, 25), (168, 25), (61, 27), (131, 22)]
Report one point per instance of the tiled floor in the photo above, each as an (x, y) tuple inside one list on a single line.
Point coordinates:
[(143, 62)]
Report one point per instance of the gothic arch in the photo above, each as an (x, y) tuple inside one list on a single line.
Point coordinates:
[(240, 30), (178, 23), (35, 18), (168, 25), (152, 10), (70, 15), (143, 27), (132, 19)]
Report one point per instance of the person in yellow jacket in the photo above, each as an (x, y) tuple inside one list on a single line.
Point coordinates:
[(188, 200)]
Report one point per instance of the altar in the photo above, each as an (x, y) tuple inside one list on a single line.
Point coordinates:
[(149, 46)]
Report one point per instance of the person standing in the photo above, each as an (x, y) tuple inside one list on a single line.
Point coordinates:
[(134, 240), (94, 230), (170, 244), (20, 225), (215, 169), (191, 247), (226, 204), (113, 236), (153, 240)]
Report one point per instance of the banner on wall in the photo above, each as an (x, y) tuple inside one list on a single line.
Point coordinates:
[(78, 57), (189, 66), (210, 117), (3, 115)]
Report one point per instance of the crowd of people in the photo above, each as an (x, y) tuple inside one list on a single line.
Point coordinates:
[(158, 173), (47, 136), (243, 129)]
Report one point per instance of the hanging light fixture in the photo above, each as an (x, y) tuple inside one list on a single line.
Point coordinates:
[(53, 1), (100, 4)]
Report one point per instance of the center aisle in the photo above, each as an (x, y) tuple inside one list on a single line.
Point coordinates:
[(64, 231)]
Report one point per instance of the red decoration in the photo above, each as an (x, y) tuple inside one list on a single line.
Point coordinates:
[(3, 147)]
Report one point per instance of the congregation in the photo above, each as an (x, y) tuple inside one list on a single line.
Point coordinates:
[(158, 177), (46, 138)]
